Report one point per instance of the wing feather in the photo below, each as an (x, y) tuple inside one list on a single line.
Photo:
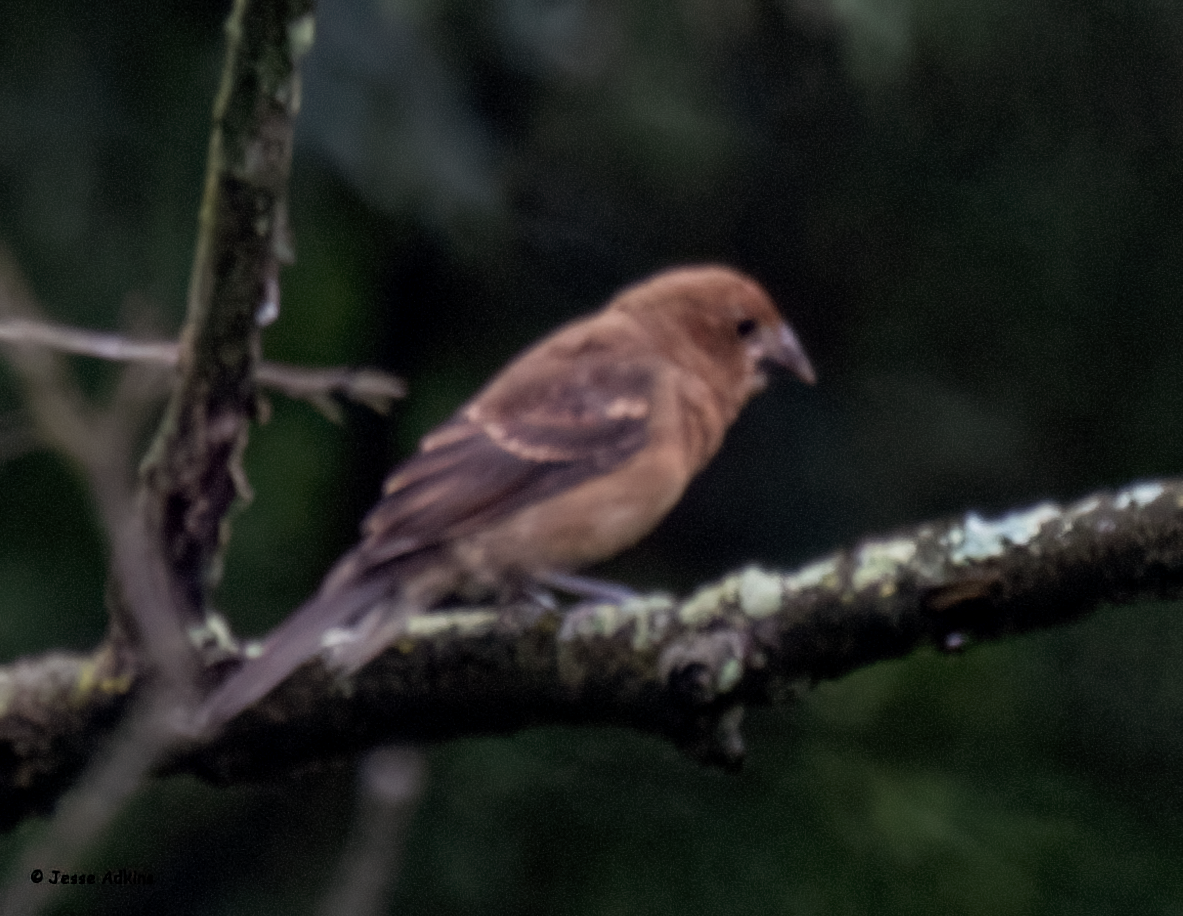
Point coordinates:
[(509, 448)]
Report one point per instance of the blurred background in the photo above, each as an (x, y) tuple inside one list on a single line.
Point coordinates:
[(970, 209)]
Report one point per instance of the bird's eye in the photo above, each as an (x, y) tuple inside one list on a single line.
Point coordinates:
[(745, 327)]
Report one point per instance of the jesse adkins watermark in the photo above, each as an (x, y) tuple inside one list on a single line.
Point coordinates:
[(122, 876)]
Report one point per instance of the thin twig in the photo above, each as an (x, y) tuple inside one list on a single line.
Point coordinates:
[(112, 776), (372, 387), (87, 343), (100, 444), (390, 781)]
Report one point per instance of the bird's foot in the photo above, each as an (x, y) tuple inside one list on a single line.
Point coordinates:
[(591, 590), (540, 597)]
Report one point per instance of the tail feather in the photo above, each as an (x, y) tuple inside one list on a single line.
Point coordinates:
[(295, 641)]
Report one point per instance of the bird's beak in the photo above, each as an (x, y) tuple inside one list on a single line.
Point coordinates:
[(782, 347)]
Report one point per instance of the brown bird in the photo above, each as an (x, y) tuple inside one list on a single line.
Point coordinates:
[(575, 451)]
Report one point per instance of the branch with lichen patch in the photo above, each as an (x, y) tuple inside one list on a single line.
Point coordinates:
[(682, 669), (687, 669)]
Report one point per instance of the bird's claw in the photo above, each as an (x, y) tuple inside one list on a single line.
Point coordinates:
[(591, 590)]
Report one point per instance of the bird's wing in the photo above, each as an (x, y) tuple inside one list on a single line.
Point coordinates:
[(532, 435)]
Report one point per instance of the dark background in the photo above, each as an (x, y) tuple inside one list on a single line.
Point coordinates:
[(970, 210)]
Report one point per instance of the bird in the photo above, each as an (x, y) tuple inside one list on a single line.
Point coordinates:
[(572, 453)]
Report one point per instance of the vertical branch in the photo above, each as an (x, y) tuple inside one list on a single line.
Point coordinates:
[(165, 548), (390, 782), (193, 471)]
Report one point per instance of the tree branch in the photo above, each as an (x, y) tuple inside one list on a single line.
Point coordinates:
[(684, 670), (193, 471), (56, 710), (372, 387)]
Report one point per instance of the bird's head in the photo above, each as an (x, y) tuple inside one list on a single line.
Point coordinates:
[(716, 315)]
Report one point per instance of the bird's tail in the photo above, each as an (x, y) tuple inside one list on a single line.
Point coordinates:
[(301, 637)]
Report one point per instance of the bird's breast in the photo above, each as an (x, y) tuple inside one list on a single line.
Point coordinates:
[(581, 526)]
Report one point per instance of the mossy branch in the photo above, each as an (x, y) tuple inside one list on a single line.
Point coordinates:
[(684, 669)]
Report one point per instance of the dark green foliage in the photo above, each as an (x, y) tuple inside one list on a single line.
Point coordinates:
[(969, 210)]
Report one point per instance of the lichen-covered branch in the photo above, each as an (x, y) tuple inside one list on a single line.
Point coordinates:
[(686, 669), (683, 669), (192, 474)]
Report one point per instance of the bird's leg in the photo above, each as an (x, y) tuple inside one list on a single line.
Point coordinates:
[(540, 596), (349, 649), (588, 589)]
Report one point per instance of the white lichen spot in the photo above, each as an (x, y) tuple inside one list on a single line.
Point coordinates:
[(214, 630), (1077, 511), (1140, 494), (647, 604), (649, 617), (470, 622), (818, 573), (979, 539), (707, 604), (268, 309), (301, 35), (1084, 507), (591, 620), (759, 593), (880, 560), (729, 675)]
